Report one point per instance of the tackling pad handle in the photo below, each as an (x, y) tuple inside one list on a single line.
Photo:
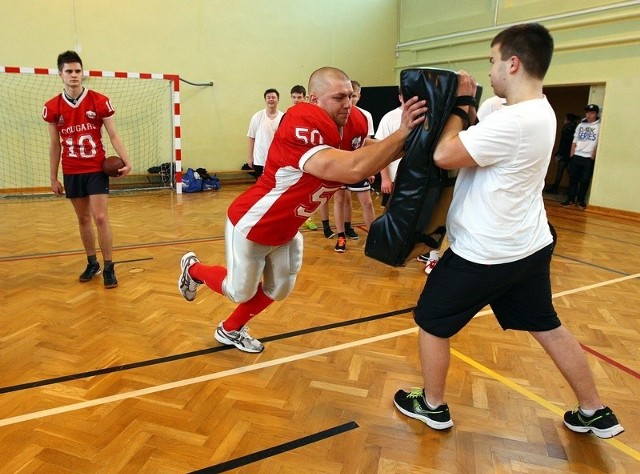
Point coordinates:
[(463, 115), (466, 100)]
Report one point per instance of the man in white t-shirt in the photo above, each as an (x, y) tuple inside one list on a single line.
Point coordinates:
[(389, 123), (342, 206), (262, 127), (583, 156), (299, 94), (500, 241)]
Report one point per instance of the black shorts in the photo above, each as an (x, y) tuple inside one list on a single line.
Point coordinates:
[(85, 184), (519, 294), (358, 187)]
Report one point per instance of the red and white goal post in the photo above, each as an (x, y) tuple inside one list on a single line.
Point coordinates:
[(147, 118)]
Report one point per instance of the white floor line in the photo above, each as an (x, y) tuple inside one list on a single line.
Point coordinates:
[(249, 368)]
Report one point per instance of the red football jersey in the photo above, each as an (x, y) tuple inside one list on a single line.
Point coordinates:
[(272, 210), (80, 129)]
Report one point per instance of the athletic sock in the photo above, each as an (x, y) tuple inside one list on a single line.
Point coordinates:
[(92, 259), (588, 413), (434, 255), (247, 310), (326, 224), (429, 405), (108, 264), (347, 225), (212, 276)]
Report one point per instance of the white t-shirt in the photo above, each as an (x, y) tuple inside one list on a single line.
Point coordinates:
[(497, 213), (262, 129), (586, 138), (389, 123), (369, 120), (490, 105)]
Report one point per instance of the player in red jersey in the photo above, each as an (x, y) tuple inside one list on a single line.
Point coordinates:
[(317, 147), (75, 119)]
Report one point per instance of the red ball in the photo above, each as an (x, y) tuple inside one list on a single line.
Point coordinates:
[(111, 165)]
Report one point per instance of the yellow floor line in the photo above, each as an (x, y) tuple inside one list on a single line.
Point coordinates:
[(539, 400)]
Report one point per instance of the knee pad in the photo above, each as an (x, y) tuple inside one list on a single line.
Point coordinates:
[(282, 269)]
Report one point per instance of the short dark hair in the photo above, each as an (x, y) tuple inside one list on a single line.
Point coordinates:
[(68, 57), (299, 90), (269, 91), (531, 42)]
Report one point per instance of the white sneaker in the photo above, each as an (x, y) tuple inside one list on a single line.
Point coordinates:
[(430, 264), (240, 339), (186, 283)]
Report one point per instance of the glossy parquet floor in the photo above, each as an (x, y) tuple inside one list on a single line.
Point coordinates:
[(131, 380)]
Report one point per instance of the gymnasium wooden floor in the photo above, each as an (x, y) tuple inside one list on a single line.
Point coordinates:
[(131, 380)]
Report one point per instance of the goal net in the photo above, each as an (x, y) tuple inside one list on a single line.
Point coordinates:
[(147, 119)]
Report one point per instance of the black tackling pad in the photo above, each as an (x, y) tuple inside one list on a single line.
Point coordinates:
[(416, 210)]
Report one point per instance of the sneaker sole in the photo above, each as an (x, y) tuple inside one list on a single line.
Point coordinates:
[(222, 339), (436, 425), (340, 250), (180, 290), (605, 433), (84, 280), (183, 294), (182, 270), (108, 287)]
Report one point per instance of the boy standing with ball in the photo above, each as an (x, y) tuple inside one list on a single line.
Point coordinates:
[(75, 119)]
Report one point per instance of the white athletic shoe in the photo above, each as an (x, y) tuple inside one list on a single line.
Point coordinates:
[(186, 283), (240, 339)]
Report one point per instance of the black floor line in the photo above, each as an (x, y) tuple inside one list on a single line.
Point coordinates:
[(275, 450), (608, 237), (187, 355), (589, 264)]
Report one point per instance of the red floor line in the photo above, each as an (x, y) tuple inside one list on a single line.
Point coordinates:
[(608, 360)]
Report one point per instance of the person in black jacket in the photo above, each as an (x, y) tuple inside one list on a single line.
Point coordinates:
[(564, 149)]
